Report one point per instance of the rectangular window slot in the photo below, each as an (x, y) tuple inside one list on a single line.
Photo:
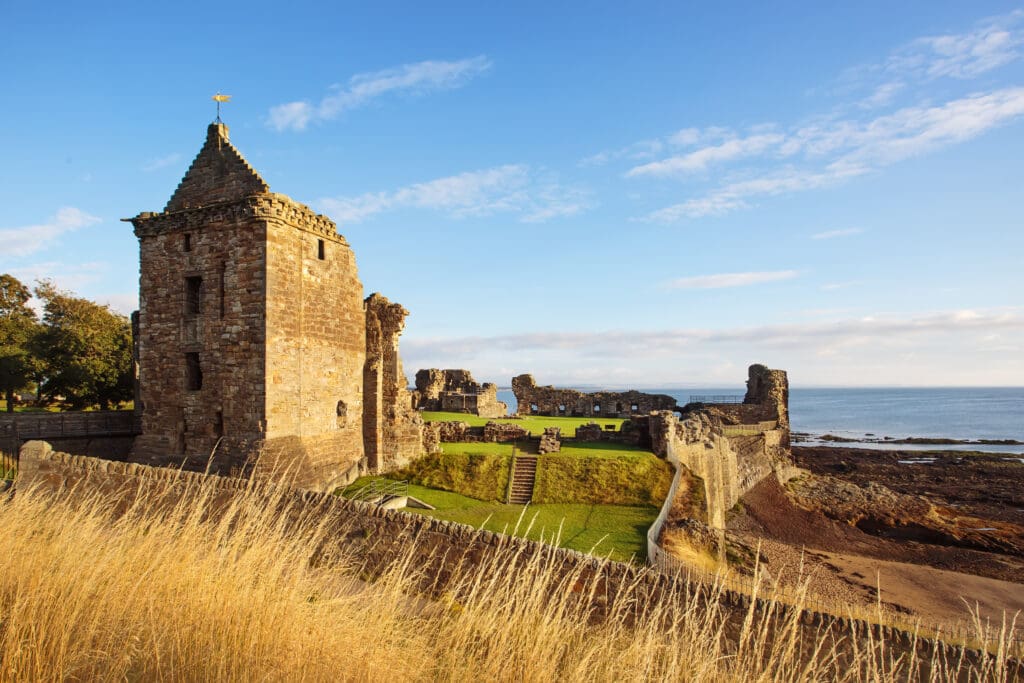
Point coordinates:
[(223, 268), (193, 372), (188, 242), (320, 249), (193, 295), (218, 424)]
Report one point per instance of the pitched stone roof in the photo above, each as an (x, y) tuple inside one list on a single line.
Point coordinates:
[(218, 174)]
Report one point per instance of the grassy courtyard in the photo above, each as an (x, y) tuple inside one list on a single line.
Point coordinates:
[(616, 531), (534, 423)]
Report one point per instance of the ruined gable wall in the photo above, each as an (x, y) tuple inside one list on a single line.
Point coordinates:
[(548, 400), (456, 391), (226, 250), (315, 348), (392, 430)]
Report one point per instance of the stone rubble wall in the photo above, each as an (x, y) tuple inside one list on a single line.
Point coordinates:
[(550, 440), (550, 401), (455, 391)]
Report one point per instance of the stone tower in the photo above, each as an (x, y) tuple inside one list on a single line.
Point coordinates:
[(252, 330)]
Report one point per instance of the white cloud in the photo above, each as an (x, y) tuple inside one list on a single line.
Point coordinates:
[(513, 188), (882, 95), (28, 239), (417, 78), (845, 149), (994, 43), (161, 162), (831, 234), (885, 349), (721, 280), (700, 159)]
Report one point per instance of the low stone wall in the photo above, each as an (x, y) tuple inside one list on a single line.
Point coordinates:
[(382, 536), (107, 433)]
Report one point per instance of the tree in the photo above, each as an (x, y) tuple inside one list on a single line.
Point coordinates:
[(18, 328), (85, 350)]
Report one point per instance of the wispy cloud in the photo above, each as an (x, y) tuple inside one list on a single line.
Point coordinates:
[(28, 239), (699, 160), (995, 42), (826, 154), (418, 78), (832, 234), (513, 188), (616, 342), (161, 162), (721, 280)]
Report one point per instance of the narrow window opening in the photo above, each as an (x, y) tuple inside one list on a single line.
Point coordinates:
[(320, 249), (597, 407), (193, 372), (561, 408), (618, 407), (218, 424), (634, 408), (533, 408), (223, 268), (193, 295), (188, 241)]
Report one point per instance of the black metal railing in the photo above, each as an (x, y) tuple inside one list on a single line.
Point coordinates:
[(730, 399)]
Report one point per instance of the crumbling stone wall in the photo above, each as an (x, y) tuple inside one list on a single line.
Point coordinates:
[(503, 432), (392, 430), (547, 400), (455, 391), (728, 458), (550, 440)]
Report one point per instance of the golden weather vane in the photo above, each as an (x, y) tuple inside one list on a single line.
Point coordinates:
[(218, 98)]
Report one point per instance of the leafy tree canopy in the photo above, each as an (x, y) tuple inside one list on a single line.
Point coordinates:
[(85, 350), (18, 329)]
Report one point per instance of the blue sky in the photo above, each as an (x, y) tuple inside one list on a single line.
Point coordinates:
[(657, 194)]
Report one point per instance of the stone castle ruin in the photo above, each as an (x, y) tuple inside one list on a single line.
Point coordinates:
[(725, 448), (552, 402), (455, 391), (256, 347)]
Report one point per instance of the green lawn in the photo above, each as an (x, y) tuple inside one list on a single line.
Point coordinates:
[(616, 531), (534, 423), (614, 451)]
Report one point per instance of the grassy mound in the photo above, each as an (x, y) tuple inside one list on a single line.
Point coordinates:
[(480, 472), (584, 475)]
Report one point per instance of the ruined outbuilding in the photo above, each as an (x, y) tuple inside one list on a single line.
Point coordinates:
[(256, 349), (553, 402), (455, 391)]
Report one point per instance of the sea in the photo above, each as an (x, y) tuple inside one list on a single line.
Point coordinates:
[(868, 416)]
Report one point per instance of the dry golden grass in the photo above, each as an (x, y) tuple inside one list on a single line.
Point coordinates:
[(171, 592)]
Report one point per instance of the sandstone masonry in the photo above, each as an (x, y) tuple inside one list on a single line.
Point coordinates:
[(547, 400), (455, 391), (256, 350)]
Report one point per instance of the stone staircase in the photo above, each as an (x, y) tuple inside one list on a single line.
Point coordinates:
[(524, 474)]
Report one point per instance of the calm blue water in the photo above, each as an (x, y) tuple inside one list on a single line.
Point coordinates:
[(956, 413)]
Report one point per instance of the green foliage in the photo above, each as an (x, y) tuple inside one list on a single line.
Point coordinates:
[(535, 424), (18, 329), (85, 350), (481, 474), (624, 478)]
